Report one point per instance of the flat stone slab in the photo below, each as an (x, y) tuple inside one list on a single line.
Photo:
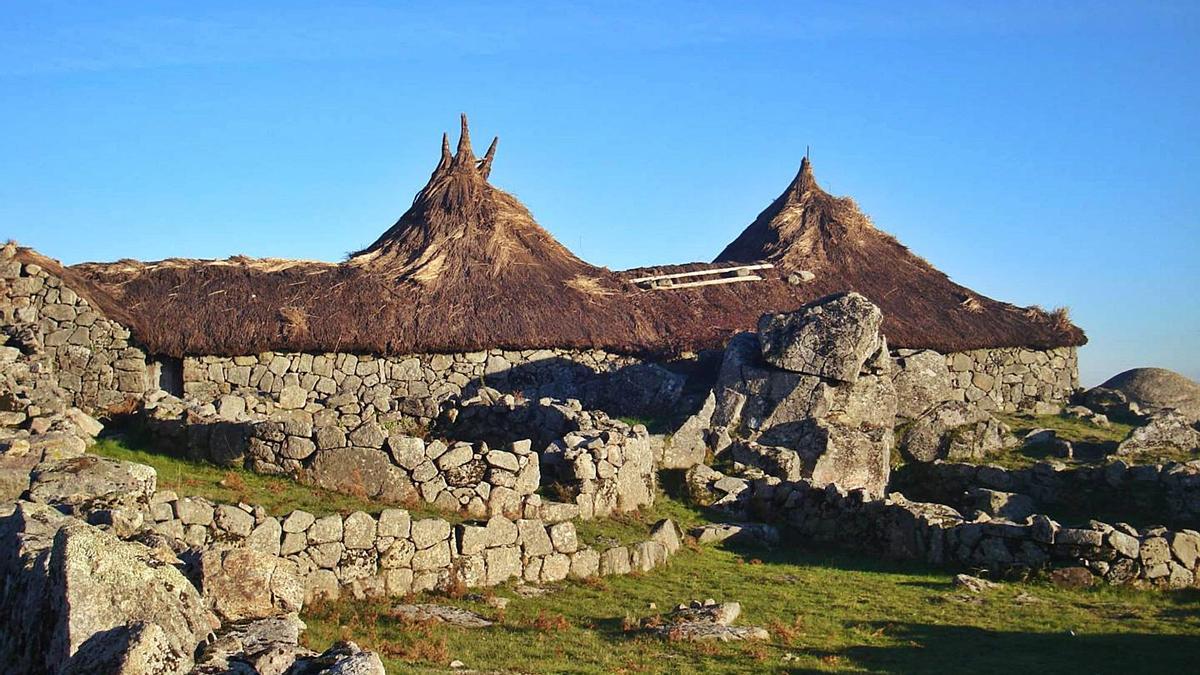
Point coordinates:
[(455, 616), (711, 632)]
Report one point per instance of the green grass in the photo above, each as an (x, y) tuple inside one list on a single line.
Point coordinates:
[(1084, 435), (632, 528), (826, 611), (279, 495)]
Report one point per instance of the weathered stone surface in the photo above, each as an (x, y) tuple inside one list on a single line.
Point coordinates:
[(103, 586), (931, 435), (1168, 431), (364, 471), (82, 485), (358, 531), (243, 583), (689, 445), (455, 616), (137, 648), (429, 531), (233, 520), (1007, 505), (270, 646), (830, 338), (343, 658), (922, 381)]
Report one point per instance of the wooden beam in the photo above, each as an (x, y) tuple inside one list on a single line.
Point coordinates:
[(706, 282), (700, 273)]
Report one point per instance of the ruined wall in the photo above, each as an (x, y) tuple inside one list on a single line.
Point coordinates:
[(394, 553), (1169, 493), (938, 534), (490, 466), (1014, 378), (93, 358)]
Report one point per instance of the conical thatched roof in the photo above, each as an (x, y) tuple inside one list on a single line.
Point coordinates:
[(467, 268), (806, 228)]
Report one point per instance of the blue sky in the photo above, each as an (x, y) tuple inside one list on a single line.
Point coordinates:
[(1039, 152)]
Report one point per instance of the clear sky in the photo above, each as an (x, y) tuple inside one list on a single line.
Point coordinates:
[(1038, 152)]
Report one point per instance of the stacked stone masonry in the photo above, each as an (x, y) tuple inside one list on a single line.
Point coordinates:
[(1170, 491), (93, 358), (1013, 378), (393, 553), (417, 385), (600, 465), (938, 534)]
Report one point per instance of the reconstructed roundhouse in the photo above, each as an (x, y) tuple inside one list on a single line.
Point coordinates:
[(466, 286)]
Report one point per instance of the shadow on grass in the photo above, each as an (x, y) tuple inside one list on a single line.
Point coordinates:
[(923, 648)]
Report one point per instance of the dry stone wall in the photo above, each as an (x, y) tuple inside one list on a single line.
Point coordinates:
[(1169, 491), (93, 358), (1013, 378), (394, 553), (939, 534), (600, 465), (417, 385)]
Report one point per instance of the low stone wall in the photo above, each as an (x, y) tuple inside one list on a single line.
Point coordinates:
[(1014, 378), (93, 358), (417, 385), (1170, 491), (938, 534), (600, 464), (393, 553)]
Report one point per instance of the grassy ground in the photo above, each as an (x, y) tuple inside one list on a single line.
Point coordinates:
[(826, 611), (279, 495), (1088, 438)]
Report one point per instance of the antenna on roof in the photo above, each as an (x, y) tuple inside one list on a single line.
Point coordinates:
[(806, 152)]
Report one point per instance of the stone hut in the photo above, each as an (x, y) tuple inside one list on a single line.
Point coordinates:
[(951, 342), (467, 290)]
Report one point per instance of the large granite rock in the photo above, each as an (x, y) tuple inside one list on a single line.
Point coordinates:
[(689, 445), (841, 427), (832, 337), (243, 583), (365, 471), (1167, 432), (81, 592), (103, 490), (922, 380), (1157, 390), (954, 430), (270, 646)]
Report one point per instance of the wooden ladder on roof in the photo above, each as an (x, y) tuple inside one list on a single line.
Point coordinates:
[(722, 275)]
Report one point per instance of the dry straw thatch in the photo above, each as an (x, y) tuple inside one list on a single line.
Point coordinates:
[(468, 268)]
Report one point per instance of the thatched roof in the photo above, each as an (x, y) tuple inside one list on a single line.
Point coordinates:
[(467, 268), (808, 229)]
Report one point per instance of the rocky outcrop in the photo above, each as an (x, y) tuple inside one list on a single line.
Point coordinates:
[(922, 380), (954, 430), (841, 428), (1166, 432), (244, 583), (1157, 390), (705, 621), (83, 594), (88, 485), (831, 338)]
